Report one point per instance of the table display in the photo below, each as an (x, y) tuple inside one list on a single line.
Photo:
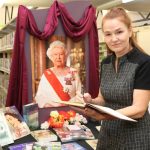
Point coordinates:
[(43, 116)]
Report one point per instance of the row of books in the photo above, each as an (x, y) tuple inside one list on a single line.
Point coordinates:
[(3, 88), (2, 97), (5, 63), (4, 81), (7, 41), (66, 134), (47, 146)]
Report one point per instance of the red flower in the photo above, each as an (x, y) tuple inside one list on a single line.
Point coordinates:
[(71, 113), (64, 114), (56, 122)]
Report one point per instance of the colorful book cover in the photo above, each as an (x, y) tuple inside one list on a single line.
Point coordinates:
[(72, 146), (17, 125), (30, 115), (24, 146), (67, 135), (44, 135), (5, 134), (46, 146)]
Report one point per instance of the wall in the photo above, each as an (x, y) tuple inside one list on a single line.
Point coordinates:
[(143, 37)]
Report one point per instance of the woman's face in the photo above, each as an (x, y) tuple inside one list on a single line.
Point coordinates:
[(58, 57), (116, 35)]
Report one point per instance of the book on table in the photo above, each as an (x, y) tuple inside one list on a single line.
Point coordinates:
[(44, 135), (99, 108), (30, 115), (22, 146), (16, 123), (5, 134), (67, 135), (72, 146)]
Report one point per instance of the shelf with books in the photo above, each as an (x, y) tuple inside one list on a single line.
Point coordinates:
[(102, 51), (3, 87), (6, 48)]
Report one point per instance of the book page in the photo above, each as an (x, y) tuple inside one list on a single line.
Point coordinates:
[(101, 109), (110, 111)]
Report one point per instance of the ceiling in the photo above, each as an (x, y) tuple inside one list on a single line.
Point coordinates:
[(136, 5)]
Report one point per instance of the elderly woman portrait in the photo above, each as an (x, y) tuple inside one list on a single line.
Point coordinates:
[(60, 82)]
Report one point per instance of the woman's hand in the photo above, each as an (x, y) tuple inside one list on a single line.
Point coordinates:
[(87, 98)]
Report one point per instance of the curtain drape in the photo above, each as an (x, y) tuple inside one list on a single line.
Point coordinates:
[(18, 82)]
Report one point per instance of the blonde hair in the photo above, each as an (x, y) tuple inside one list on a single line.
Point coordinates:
[(54, 45), (120, 13)]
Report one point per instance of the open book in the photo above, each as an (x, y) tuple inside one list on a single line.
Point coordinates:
[(99, 108)]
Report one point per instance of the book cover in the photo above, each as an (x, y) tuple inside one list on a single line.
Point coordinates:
[(46, 146), (23, 146), (44, 135), (15, 121), (72, 146), (99, 108), (67, 135), (30, 115), (5, 134)]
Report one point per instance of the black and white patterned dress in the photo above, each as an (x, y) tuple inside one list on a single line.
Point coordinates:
[(117, 90)]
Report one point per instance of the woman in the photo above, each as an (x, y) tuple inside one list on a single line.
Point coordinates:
[(124, 86), (59, 83)]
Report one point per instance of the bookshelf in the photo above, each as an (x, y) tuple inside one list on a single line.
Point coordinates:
[(102, 51), (6, 49)]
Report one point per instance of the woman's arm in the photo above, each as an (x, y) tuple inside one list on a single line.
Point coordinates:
[(136, 110), (139, 106)]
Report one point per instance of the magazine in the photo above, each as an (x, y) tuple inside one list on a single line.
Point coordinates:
[(72, 146), (30, 115), (17, 125), (67, 135), (99, 108), (44, 135), (5, 134)]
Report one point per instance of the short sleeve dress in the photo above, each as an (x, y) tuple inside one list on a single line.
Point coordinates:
[(117, 90)]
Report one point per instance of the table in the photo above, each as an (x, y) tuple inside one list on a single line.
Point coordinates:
[(44, 115)]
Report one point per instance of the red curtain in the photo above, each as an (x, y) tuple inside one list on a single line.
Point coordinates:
[(18, 83)]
